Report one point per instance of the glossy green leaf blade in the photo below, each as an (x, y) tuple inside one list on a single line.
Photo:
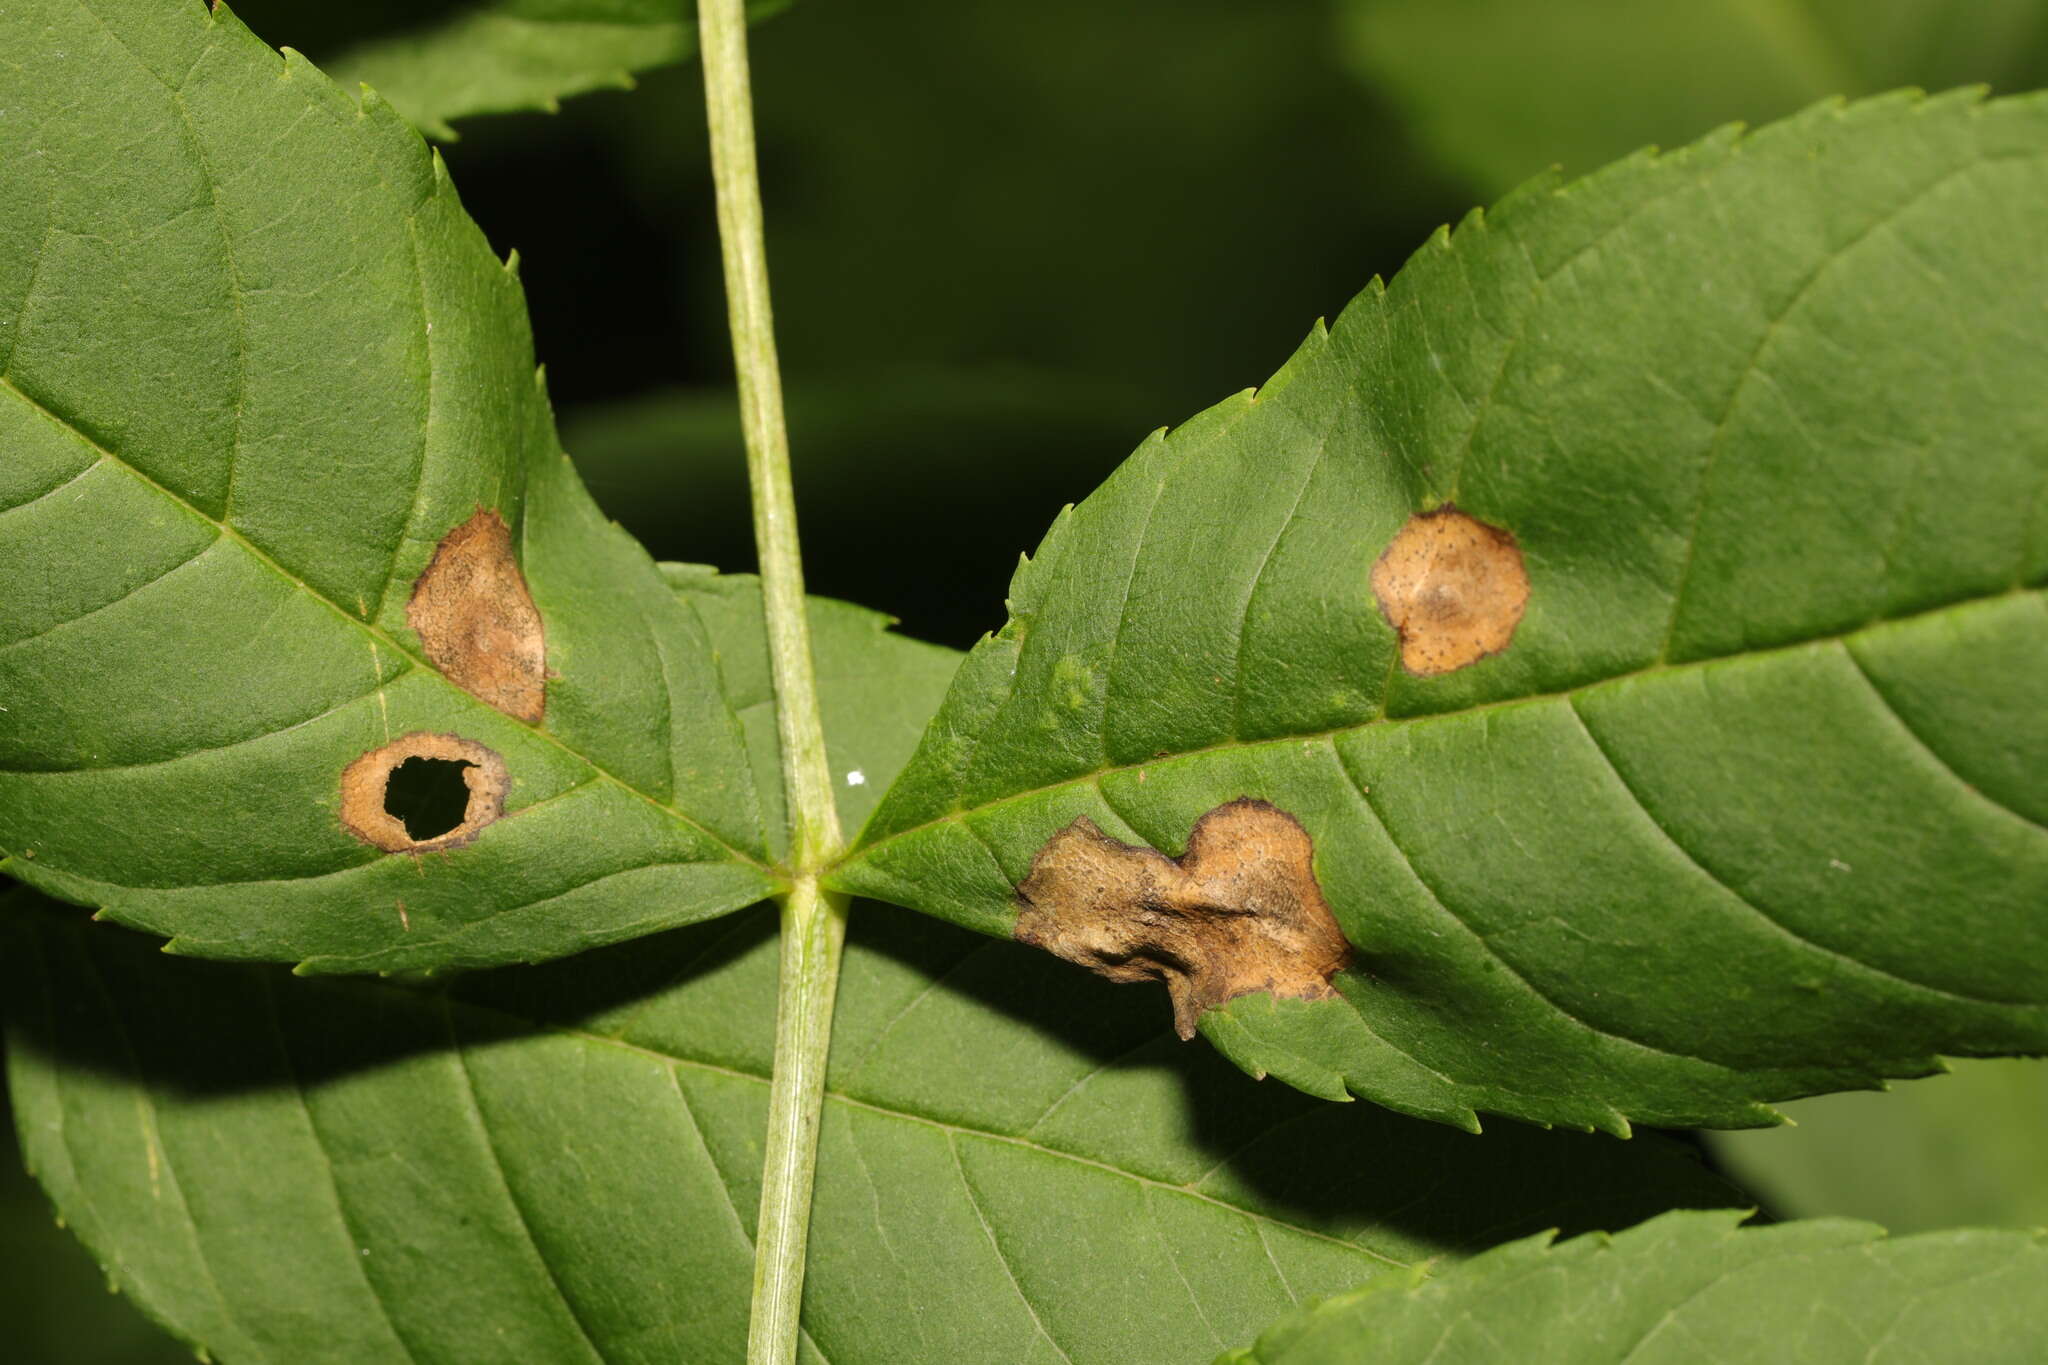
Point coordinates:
[(1016, 1164), (503, 56), (1955, 1150), (1693, 1287), (1751, 805), (256, 363), (1501, 89)]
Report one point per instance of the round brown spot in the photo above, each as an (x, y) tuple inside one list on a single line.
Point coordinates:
[(1453, 588), (365, 781)]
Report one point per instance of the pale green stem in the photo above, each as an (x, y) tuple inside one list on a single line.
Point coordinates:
[(813, 928), (813, 920)]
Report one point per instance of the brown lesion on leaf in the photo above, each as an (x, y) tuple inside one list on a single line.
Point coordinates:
[(1453, 588), (1239, 912), (477, 621), (365, 782)]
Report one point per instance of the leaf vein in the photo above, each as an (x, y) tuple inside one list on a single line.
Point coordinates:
[(1752, 367), (490, 1145), (374, 632), (995, 1243), (963, 814), (350, 1233), (1921, 742), (1756, 909), (146, 583), (1487, 944), (1251, 597)]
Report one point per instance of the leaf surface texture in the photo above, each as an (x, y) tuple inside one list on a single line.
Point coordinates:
[(1694, 1288), (256, 367), (1017, 1162), (1751, 803)]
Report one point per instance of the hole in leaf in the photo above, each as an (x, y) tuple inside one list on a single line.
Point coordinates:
[(423, 793), (429, 796)]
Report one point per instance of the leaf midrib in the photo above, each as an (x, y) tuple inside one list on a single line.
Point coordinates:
[(377, 633), (862, 847)]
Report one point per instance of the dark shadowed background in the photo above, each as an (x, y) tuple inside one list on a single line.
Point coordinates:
[(1007, 241)]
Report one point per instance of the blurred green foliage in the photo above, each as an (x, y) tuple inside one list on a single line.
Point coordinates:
[(1007, 241), (1965, 1148), (1500, 89)]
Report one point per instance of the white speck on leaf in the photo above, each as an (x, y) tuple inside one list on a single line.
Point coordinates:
[(856, 778), (1838, 865)]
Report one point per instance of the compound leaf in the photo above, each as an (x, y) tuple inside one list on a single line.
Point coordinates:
[(1619, 643), (1693, 1287)]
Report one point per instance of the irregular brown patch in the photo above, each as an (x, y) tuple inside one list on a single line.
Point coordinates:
[(363, 784), (1453, 587), (477, 620), (1239, 912)]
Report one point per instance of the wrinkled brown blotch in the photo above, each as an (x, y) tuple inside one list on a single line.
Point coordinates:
[(363, 783), (1239, 912), (477, 621), (1453, 588)]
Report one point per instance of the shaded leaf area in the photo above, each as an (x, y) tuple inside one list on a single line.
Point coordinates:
[(503, 56), (1694, 1287), (1956, 1150), (1017, 1164), (256, 365), (1501, 89), (1751, 804)]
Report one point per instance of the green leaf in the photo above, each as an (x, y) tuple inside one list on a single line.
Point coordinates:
[(255, 365), (1500, 89), (1017, 1164), (503, 56), (1950, 1151), (877, 690), (1694, 1287), (1750, 803)]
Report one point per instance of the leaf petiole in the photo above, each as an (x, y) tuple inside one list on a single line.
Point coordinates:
[(813, 920)]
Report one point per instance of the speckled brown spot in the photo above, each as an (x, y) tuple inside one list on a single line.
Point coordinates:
[(363, 784), (477, 621), (1453, 587), (1239, 912)]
